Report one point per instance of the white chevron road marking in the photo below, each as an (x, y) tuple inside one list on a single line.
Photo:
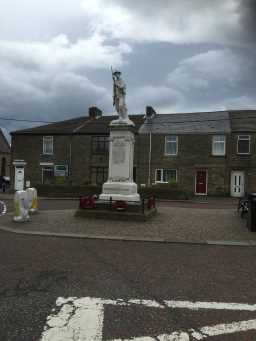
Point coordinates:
[(82, 319)]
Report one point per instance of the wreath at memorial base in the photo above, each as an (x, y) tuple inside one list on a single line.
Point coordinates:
[(3, 208), (120, 205), (87, 202), (151, 203)]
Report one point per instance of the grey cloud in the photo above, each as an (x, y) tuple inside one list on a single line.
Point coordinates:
[(162, 98), (209, 68), (247, 10), (176, 21), (55, 56)]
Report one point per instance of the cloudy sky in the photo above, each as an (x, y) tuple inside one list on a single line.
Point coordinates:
[(175, 55)]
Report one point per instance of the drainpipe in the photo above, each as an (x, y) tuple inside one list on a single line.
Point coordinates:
[(70, 158), (150, 114), (149, 159)]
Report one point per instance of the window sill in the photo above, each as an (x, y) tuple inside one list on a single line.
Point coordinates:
[(213, 155), (100, 153), (163, 182)]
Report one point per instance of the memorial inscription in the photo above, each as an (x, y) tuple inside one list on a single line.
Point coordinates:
[(118, 152)]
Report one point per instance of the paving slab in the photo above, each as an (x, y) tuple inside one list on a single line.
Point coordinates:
[(171, 224)]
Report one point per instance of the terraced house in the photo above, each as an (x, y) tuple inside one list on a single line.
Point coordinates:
[(201, 153), (73, 152), (5, 155), (207, 153)]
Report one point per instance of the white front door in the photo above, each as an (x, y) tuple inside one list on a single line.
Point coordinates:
[(19, 178), (237, 184)]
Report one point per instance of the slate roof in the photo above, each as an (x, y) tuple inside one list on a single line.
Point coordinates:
[(242, 121), (79, 125), (4, 145), (189, 123), (222, 122)]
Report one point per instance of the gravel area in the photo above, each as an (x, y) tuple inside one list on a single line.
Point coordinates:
[(171, 223)]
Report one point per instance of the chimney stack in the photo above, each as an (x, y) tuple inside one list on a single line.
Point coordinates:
[(150, 112), (94, 113)]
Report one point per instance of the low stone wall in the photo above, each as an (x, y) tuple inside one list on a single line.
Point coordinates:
[(76, 191), (65, 191)]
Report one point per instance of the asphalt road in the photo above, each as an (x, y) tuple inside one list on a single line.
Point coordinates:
[(35, 271)]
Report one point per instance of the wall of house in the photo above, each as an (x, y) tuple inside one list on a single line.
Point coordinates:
[(73, 150), (81, 159), (245, 163), (194, 153), (5, 164), (30, 149)]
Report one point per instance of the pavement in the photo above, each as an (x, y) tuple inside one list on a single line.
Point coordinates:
[(207, 221)]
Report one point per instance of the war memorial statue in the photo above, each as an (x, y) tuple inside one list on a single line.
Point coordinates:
[(120, 184), (119, 198), (119, 93)]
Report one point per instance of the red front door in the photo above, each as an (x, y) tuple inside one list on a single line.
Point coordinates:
[(201, 182)]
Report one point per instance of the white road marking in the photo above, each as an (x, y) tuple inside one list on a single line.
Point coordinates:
[(82, 319), (176, 336), (77, 320), (185, 304), (224, 329)]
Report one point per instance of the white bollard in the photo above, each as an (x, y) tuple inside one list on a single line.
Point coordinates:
[(32, 199), (21, 207)]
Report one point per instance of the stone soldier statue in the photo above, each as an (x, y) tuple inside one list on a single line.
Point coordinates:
[(119, 92)]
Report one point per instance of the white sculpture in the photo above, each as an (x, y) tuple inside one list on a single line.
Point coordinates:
[(21, 207), (120, 184), (119, 93), (32, 199)]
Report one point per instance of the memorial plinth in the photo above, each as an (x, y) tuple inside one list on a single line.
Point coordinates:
[(120, 184)]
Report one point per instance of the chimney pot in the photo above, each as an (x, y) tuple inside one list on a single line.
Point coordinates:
[(94, 113), (150, 112)]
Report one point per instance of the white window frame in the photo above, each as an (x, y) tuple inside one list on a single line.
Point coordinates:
[(162, 175), (218, 138), (166, 141), (247, 139), (44, 145)]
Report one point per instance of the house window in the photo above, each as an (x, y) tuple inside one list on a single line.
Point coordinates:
[(61, 170), (166, 175), (171, 145), (219, 145), (48, 145), (100, 144), (243, 144), (99, 175), (47, 175)]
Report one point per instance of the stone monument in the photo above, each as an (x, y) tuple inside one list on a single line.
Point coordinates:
[(120, 184)]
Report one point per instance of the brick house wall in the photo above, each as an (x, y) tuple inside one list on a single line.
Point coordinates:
[(243, 123), (244, 163), (30, 149), (5, 155), (73, 150), (72, 146), (194, 153)]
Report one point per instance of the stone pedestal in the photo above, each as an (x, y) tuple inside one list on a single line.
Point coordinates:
[(120, 184)]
